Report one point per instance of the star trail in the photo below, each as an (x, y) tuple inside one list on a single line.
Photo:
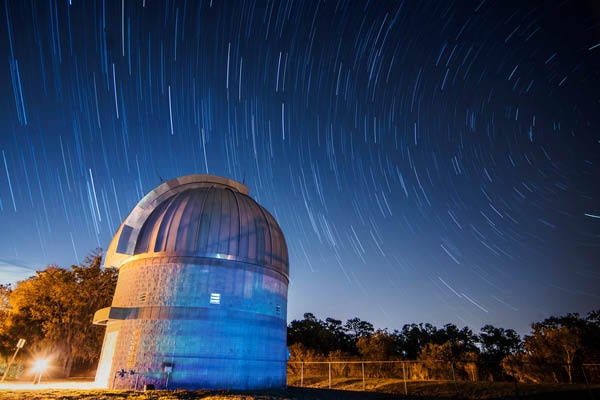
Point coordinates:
[(427, 161)]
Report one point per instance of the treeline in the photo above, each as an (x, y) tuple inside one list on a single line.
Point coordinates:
[(53, 312), (554, 351)]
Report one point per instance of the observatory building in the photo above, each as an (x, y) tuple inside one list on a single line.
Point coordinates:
[(201, 298)]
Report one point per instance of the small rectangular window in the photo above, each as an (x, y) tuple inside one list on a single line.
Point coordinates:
[(143, 297), (215, 298)]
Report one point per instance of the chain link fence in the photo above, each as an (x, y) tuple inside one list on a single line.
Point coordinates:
[(409, 377)]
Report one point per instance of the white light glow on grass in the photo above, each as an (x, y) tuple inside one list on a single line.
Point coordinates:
[(67, 385)]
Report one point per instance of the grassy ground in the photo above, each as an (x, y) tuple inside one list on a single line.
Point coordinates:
[(348, 389), (466, 390), (65, 394)]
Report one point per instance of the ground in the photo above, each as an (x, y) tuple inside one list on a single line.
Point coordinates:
[(385, 390)]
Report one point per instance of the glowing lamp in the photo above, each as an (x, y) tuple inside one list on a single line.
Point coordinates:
[(39, 367)]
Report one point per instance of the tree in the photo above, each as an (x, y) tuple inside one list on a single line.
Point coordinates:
[(5, 341), (413, 338), (461, 341), (323, 337), (591, 338), (93, 290), (341, 342), (497, 344), (441, 361), (436, 359), (299, 352), (358, 328), (53, 311), (310, 332), (556, 344), (379, 346), (5, 291)]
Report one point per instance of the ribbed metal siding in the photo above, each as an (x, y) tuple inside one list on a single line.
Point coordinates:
[(214, 222)]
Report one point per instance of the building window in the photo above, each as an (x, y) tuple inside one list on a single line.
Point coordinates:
[(278, 309), (142, 297), (215, 298)]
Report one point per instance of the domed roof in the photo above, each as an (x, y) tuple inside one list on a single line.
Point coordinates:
[(201, 216)]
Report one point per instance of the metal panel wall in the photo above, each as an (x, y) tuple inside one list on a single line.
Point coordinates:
[(168, 320)]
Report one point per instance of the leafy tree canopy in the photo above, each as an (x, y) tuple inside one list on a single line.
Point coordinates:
[(53, 311)]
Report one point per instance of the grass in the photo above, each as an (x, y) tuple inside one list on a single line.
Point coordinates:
[(96, 394), (342, 389), (450, 389)]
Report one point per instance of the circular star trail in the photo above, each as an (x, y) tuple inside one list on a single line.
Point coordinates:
[(427, 161)]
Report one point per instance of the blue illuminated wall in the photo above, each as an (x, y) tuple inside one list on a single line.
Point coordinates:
[(166, 319)]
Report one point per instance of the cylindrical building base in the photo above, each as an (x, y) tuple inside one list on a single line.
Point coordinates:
[(195, 325)]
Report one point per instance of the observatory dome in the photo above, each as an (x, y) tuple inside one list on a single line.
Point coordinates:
[(202, 216), (201, 297)]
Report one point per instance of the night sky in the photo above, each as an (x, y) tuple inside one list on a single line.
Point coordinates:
[(427, 161)]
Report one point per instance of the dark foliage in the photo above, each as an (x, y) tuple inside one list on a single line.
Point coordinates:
[(555, 350)]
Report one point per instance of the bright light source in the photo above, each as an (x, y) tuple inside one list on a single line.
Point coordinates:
[(40, 365)]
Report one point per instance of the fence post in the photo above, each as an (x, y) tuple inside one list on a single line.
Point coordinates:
[(302, 374), (329, 363), (454, 378), (404, 375), (363, 375), (587, 383)]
